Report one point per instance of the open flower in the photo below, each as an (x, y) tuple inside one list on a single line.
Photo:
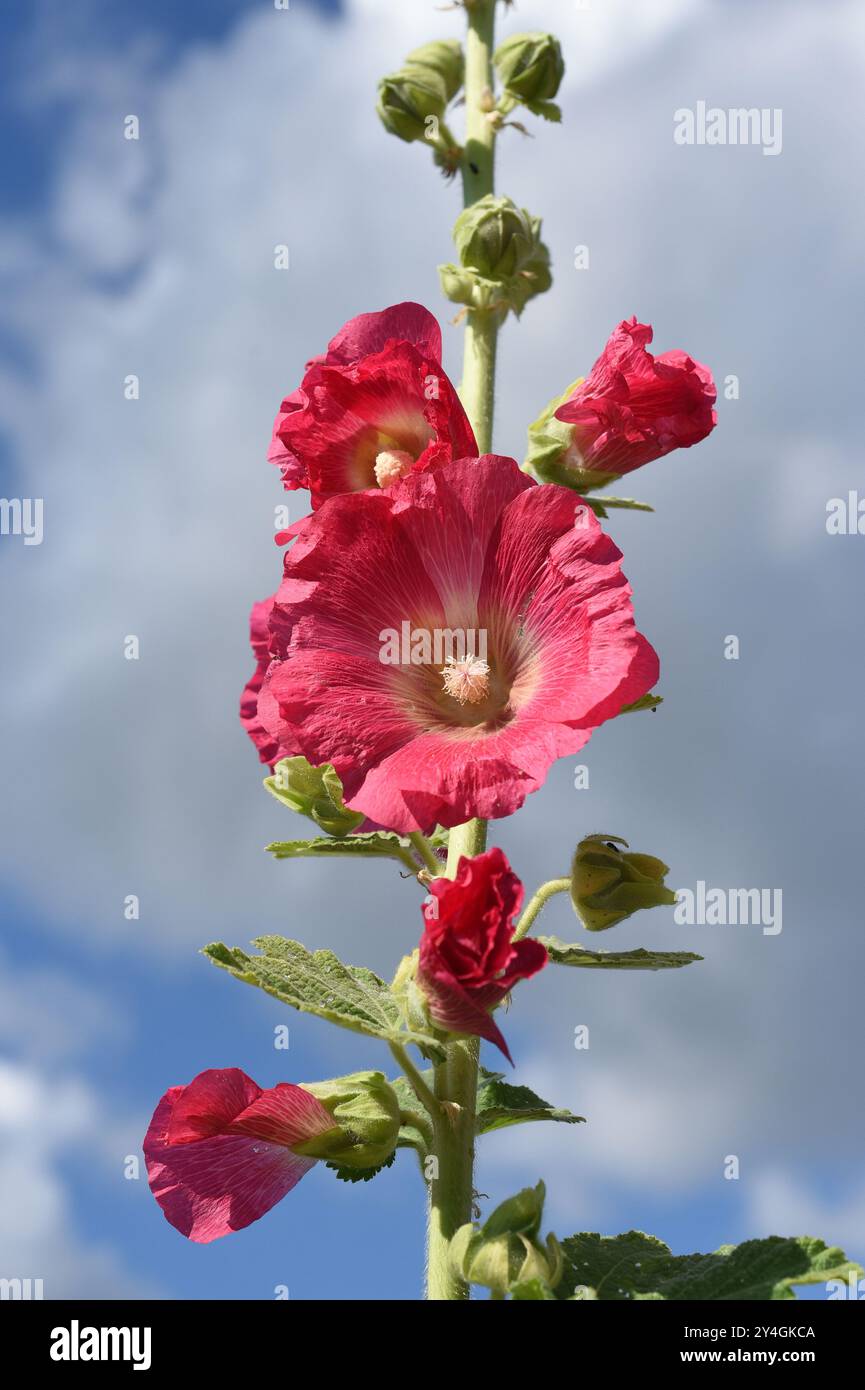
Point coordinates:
[(374, 407), (633, 407), (221, 1152), (473, 548), (259, 636), (467, 961)]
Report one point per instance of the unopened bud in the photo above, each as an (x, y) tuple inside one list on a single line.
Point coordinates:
[(408, 98), (531, 68), (315, 792), (443, 57), (608, 885)]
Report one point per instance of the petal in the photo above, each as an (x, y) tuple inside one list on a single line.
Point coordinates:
[(368, 333), (452, 1010), (209, 1104)]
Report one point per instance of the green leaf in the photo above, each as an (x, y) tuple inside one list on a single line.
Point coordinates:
[(378, 843), (562, 953), (500, 1105), (548, 109), (639, 1267), (317, 982), (644, 702)]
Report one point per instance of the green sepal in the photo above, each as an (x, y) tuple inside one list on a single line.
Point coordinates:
[(635, 1266), (564, 953), (644, 702), (360, 1174), (367, 1110), (315, 792), (517, 1215), (601, 505), (532, 1290)]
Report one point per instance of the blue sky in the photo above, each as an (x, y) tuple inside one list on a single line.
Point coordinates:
[(155, 257)]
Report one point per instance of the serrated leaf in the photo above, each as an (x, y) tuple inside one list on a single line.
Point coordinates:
[(635, 1266), (644, 702), (317, 982), (500, 1105), (563, 953), (380, 843)]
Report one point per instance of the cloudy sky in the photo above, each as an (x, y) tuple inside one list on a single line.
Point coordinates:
[(155, 258)]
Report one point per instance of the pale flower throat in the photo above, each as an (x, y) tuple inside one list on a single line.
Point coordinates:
[(467, 679)]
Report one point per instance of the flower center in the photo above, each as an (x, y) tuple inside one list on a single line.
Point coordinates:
[(466, 679), (391, 465)]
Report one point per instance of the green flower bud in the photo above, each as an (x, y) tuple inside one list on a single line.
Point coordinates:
[(444, 57), (554, 457), (507, 1250), (503, 261), (408, 99), (315, 792), (366, 1112), (607, 885), (531, 68)]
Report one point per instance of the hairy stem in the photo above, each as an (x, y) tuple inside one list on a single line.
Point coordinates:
[(545, 892), (456, 1079), (479, 360), (456, 1083)]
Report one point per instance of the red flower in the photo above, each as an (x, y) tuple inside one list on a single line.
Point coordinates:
[(634, 407), (474, 547), (219, 1152), (468, 962), (259, 635), (374, 407)]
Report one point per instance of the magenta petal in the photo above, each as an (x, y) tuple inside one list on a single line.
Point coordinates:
[(452, 1010), (217, 1151), (368, 333)]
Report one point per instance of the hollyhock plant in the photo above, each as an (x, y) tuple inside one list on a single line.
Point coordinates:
[(445, 629), (468, 960), (633, 407), (474, 546), (221, 1151), (374, 407)]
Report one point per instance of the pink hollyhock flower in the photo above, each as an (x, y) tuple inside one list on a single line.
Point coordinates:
[(259, 635), (220, 1151), (374, 407), (633, 407), (474, 547), (468, 961)]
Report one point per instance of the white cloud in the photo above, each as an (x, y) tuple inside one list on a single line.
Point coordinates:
[(42, 1118)]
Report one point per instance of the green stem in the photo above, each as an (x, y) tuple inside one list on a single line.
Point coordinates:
[(456, 1085), (479, 361), (546, 891), (456, 1079), (427, 853), (418, 1085)]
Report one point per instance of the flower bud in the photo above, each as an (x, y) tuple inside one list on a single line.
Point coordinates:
[(443, 57), (507, 1250), (315, 792), (366, 1112), (608, 885), (531, 68), (553, 455), (503, 262), (408, 98)]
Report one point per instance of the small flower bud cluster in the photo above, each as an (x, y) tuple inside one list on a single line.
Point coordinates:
[(503, 263)]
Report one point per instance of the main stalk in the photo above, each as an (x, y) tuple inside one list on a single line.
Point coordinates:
[(456, 1079)]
